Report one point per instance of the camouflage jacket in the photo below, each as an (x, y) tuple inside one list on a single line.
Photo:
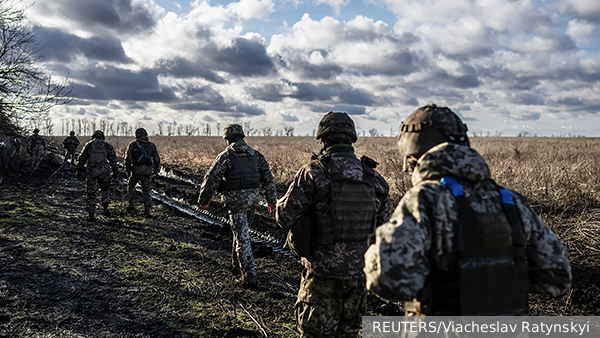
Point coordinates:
[(36, 142), (342, 260), (411, 244), (71, 143), (150, 150), (99, 169), (243, 199)]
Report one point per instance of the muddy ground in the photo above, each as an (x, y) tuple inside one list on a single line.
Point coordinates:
[(168, 276)]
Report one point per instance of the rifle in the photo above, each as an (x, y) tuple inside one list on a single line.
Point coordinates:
[(145, 154)]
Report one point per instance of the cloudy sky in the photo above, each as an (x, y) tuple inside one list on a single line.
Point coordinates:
[(503, 65)]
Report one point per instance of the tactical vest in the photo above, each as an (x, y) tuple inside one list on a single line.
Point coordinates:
[(138, 155), (243, 174), (490, 275), (352, 204), (97, 152)]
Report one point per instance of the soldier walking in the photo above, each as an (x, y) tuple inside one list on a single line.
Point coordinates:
[(35, 145), (97, 158), (346, 199), (70, 144), (458, 243), (141, 163), (237, 173), (9, 152)]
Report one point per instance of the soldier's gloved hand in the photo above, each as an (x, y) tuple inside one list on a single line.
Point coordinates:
[(205, 207), (271, 207)]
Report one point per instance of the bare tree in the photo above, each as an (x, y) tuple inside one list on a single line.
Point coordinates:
[(218, 126), (159, 126), (48, 126), (28, 91), (373, 132), (93, 124), (267, 131), (288, 130), (169, 129), (179, 129)]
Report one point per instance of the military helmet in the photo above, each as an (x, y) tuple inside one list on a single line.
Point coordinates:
[(72, 133), (140, 132), (429, 126), (233, 130), (36, 131), (98, 134), (336, 123)]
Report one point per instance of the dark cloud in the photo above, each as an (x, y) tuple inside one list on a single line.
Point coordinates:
[(528, 116), (60, 46), (289, 117), (244, 58), (182, 68), (411, 101), (401, 63), (121, 78), (314, 72), (269, 92), (121, 15), (86, 92), (310, 92), (571, 101), (528, 99), (351, 110)]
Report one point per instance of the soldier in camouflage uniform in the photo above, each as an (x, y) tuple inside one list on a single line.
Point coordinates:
[(346, 199), (237, 173), (141, 162), (10, 152), (35, 145), (70, 144), (457, 243), (100, 158)]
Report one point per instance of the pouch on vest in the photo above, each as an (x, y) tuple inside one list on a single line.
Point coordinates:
[(243, 174), (352, 202), (300, 237), (97, 152), (491, 272)]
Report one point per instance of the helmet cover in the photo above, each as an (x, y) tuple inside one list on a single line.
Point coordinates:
[(233, 130), (336, 123)]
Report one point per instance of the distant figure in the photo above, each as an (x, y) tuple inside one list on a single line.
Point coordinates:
[(9, 152), (141, 163), (237, 173), (345, 199), (99, 157), (459, 244), (35, 145), (70, 144)]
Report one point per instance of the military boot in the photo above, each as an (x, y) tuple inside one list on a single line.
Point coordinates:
[(147, 212), (91, 217), (249, 282), (105, 212)]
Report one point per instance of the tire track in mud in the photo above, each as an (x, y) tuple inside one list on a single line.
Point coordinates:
[(256, 235)]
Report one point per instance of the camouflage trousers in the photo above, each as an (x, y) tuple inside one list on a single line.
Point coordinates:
[(241, 255), (70, 155), (93, 185), (328, 307), (36, 157), (146, 181)]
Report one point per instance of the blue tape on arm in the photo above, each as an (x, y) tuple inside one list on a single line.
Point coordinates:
[(455, 188), (507, 197)]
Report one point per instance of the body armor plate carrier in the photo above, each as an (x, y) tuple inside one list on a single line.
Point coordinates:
[(139, 158), (243, 174), (490, 274), (98, 152), (353, 205)]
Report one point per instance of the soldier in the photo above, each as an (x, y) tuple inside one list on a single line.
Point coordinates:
[(457, 243), (70, 144), (141, 162), (237, 173), (35, 144), (10, 152), (346, 199), (99, 157)]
